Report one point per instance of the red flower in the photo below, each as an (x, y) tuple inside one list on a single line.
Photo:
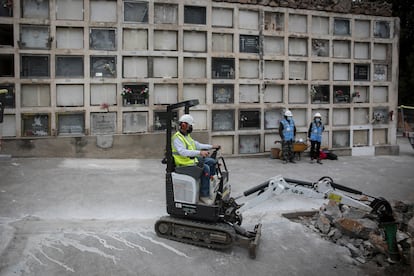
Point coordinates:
[(105, 106)]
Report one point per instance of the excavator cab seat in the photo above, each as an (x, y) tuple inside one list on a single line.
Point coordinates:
[(186, 183), (193, 171)]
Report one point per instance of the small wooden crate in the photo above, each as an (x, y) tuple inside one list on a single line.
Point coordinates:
[(275, 153)]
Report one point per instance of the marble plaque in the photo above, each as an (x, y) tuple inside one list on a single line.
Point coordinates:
[(134, 122), (103, 123)]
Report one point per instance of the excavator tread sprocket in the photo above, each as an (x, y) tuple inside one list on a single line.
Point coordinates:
[(212, 235)]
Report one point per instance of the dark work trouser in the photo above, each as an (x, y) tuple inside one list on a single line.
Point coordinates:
[(315, 148), (287, 150)]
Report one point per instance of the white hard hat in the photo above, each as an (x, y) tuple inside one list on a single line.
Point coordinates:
[(187, 118), (317, 114), (288, 113)]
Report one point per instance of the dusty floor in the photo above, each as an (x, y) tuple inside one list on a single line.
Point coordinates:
[(96, 217)]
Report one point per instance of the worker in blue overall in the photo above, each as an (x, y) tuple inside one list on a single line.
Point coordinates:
[(316, 128), (287, 131)]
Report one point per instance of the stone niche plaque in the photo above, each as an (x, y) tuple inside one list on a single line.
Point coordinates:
[(222, 68), (249, 44), (361, 72), (272, 118), (223, 93), (380, 72), (35, 124), (134, 122), (249, 144), (249, 119), (71, 124), (223, 120), (103, 123), (161, 121)]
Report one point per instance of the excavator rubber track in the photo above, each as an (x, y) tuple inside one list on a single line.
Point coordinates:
[(204, 234), (218, 235)]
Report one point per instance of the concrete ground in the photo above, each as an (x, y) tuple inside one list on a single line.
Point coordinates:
[(61, 216)]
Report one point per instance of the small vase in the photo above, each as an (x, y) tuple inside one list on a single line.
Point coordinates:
[(125, 101)]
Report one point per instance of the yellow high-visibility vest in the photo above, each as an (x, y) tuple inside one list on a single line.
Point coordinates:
[(189, 144)]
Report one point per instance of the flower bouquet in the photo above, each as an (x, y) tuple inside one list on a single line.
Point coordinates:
[(144, 93), (126, 92)]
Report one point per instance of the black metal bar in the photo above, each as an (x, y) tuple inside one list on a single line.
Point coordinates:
[(333, 184), (168, 149), (256, 188), (346, 189), (187, 104), (300, 182)]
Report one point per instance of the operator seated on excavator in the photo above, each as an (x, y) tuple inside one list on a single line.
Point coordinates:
[(188, 152)]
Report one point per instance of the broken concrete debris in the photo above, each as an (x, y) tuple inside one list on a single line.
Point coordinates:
[(361, 233)]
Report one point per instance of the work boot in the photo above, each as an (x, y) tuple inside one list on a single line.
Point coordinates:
[(292, 161), (206, 200), (319, 162)]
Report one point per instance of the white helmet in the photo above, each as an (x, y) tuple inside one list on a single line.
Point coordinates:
[(288, 113), (187, 118), (317, 114)]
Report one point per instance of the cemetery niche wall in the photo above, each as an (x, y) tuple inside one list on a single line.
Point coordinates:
[(82, 69)]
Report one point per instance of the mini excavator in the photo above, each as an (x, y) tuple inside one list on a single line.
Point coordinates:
[(218, 226)]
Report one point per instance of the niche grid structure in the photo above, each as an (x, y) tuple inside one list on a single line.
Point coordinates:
[(68, 66)]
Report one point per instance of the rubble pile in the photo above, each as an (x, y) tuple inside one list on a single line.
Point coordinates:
[(362, 234)]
